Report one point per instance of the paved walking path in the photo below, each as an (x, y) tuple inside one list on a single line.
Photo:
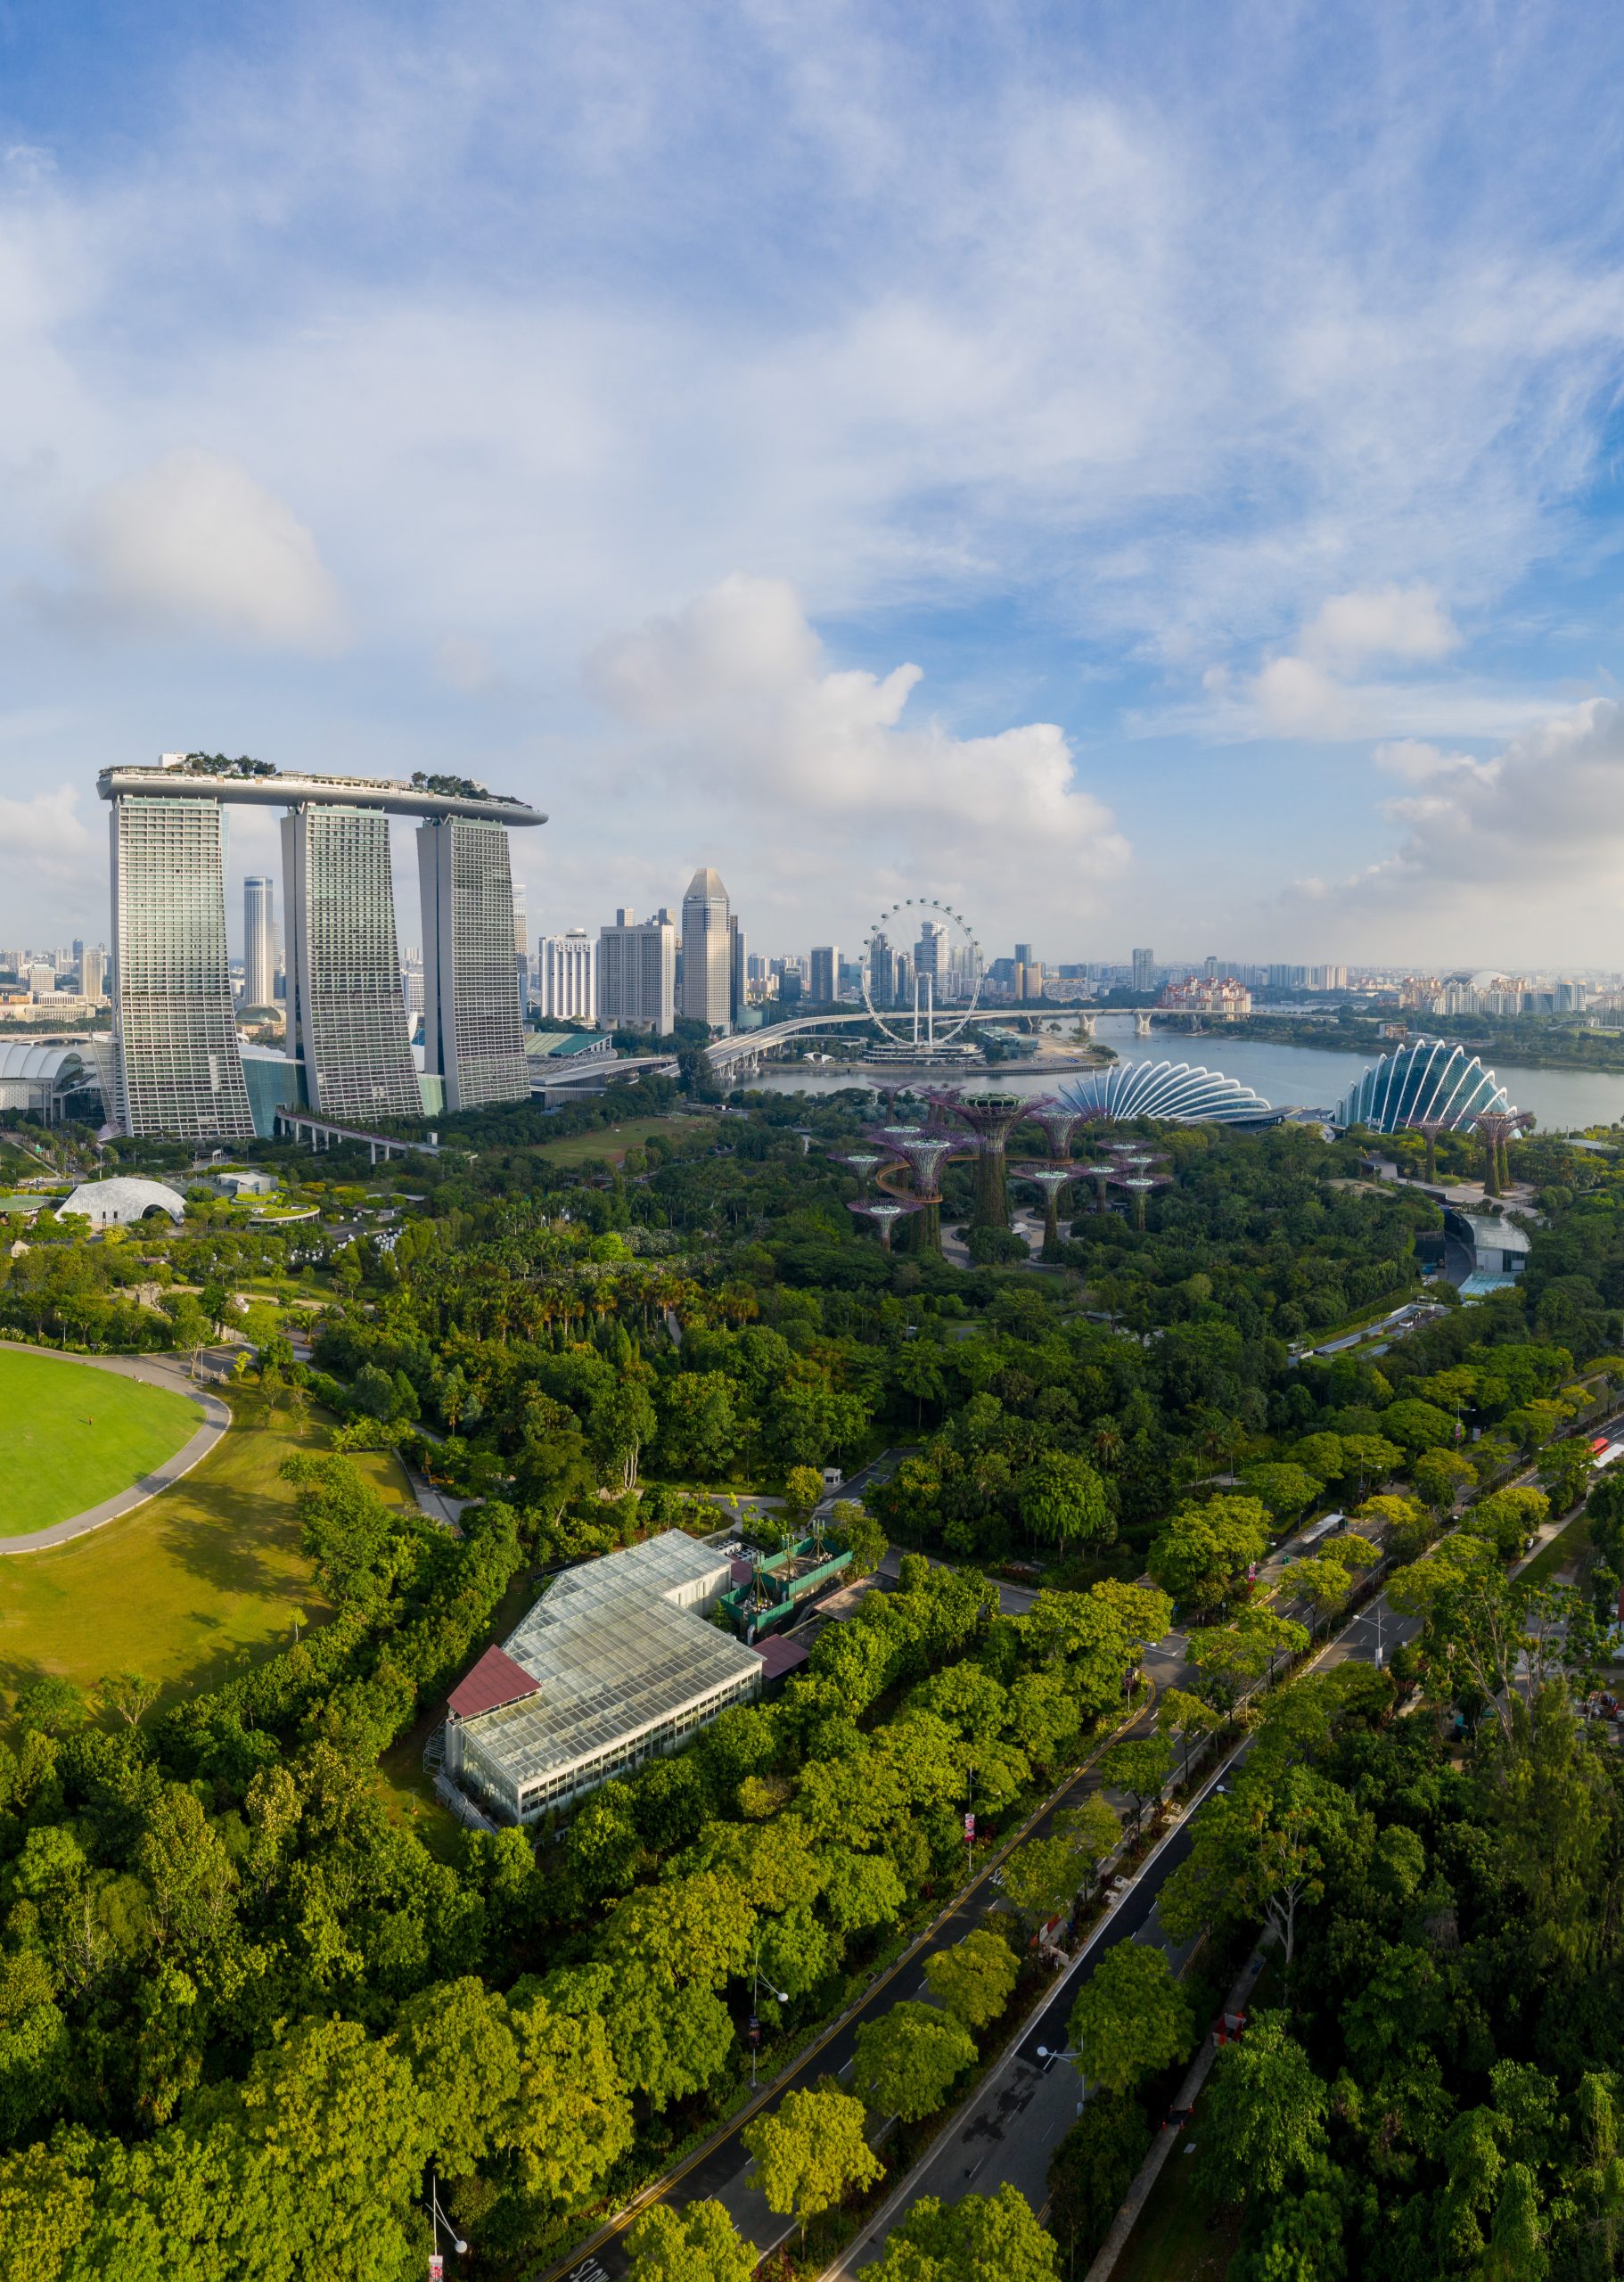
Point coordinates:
[(155, 1372)]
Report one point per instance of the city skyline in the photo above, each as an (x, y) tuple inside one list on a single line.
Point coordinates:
[(1091, 475)]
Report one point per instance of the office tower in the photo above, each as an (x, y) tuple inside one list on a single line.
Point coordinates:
[(637, 974), (411, 990), (1144, 970), (93, 972), (41, 980), (738, 972), (177, 1069), (258, 943), (1023, 955), (706, 974), (567, 970), (931, 959), (472, 1036), (903, 979), (1210, 967), (824, 987), (345, 1026), (521, 950)]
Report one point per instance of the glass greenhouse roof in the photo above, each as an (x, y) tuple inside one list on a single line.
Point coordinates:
[(614, 1652), (1185, 1093), (1428, 1082)]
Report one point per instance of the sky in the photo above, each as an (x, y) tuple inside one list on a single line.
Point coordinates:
[(1143, 475)]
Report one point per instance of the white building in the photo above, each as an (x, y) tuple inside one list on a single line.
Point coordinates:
[(615, 1664), (707, 952), (258, 942), (93, 973), (567, 977), (116, 1203)]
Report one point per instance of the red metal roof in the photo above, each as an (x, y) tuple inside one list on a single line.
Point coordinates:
[(779, 1656), (495, 1680), (741, 1570)]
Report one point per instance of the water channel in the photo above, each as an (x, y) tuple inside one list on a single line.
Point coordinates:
[(1289, 1077)]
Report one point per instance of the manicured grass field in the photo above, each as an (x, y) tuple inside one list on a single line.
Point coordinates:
[(183, 1589), (613, 1141), (70, 1436)]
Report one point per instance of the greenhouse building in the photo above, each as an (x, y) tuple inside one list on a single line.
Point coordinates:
[(1426, 1082), (617, 1662), (1183, 1093)]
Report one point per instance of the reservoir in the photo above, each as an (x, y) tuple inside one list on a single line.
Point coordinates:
[(1288, 1077)]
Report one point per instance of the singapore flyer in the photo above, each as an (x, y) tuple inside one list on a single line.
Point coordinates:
[(921, 976)]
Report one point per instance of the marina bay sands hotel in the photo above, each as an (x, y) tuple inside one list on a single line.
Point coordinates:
[(179, 1065)]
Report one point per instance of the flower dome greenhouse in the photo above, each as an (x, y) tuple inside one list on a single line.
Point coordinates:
[(1429, 1082), (1182, 1092)]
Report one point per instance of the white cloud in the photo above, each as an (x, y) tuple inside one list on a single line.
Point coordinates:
[(45, 837), (799, 768), (1406, 622), (193, 541)]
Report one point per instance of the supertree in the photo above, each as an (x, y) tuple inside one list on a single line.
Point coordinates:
[(861, 1162), (884, 1212), (1051, 1179), (923, 1149), (1099, 1175), (1428, 1128), (992, 1118), (1496, 1127), (1139, 1186), (1058, 1123)]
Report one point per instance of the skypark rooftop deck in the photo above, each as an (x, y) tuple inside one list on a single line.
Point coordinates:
[(290, 788)]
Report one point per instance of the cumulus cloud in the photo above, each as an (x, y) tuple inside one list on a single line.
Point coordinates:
[(192, 540), (45, 837), (733, 702), (1383, 622), (1527, 843)]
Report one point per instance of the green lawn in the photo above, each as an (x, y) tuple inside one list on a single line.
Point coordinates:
[(186, 1587), (72, 1435), (613, 1141)]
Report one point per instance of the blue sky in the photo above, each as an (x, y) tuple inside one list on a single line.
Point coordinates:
[(1150, 476)]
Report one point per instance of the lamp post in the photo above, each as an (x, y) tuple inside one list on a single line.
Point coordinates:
[(436, 2219), (782, 1996), (1045, 2054)]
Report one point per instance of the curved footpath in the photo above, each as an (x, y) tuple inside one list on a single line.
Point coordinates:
[(156, 1372)]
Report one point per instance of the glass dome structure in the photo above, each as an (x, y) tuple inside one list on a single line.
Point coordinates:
[(1182, 1092), (1429, 1081)]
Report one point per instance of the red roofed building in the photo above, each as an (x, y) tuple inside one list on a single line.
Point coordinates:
[(495, 1680)]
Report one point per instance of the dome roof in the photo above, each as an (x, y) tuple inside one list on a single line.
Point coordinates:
[(1428, 1082), (124, 1198), (1182, 1092)]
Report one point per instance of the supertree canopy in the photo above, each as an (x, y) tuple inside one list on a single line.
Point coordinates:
[(992, 1118), (884, 1212), (1058, 1123), (1051, 1179), (1496, 1127)]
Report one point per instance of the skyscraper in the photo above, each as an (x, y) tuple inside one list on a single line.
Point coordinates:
[(93, 972), (521, 950), (472, 1036), (707, 964), (174, 1031), (930, 959), (825, 986), (637, 974), (258, 943), (178, 1070), (346, 1026), (567, 970), (1144, 970), (738, 972)]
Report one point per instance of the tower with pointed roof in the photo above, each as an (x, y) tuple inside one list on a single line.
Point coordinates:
[(707, 956)]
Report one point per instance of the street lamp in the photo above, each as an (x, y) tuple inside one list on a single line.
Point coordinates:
[(437, 2219), (782, 1996), (1043, 2054)]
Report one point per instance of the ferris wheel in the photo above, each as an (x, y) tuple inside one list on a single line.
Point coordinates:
[(945, 985)]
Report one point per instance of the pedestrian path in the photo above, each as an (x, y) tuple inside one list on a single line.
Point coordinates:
[(155, 1371)]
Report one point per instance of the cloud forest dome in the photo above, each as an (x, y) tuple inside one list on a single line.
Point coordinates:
[(1182, 1092), (1428, 1081)]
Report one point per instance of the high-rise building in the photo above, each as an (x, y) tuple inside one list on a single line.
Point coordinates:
[(637, 974), (1144, 970), (707, 966), (177, 1068), (41, 980), (567, 972), (825, 986), (93, 972), (521, 950), (346, 1028), (1023, 955), (1210, 967), (930, 959), (472, 1036), (738, 972), (411, 990), (258, 942)]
